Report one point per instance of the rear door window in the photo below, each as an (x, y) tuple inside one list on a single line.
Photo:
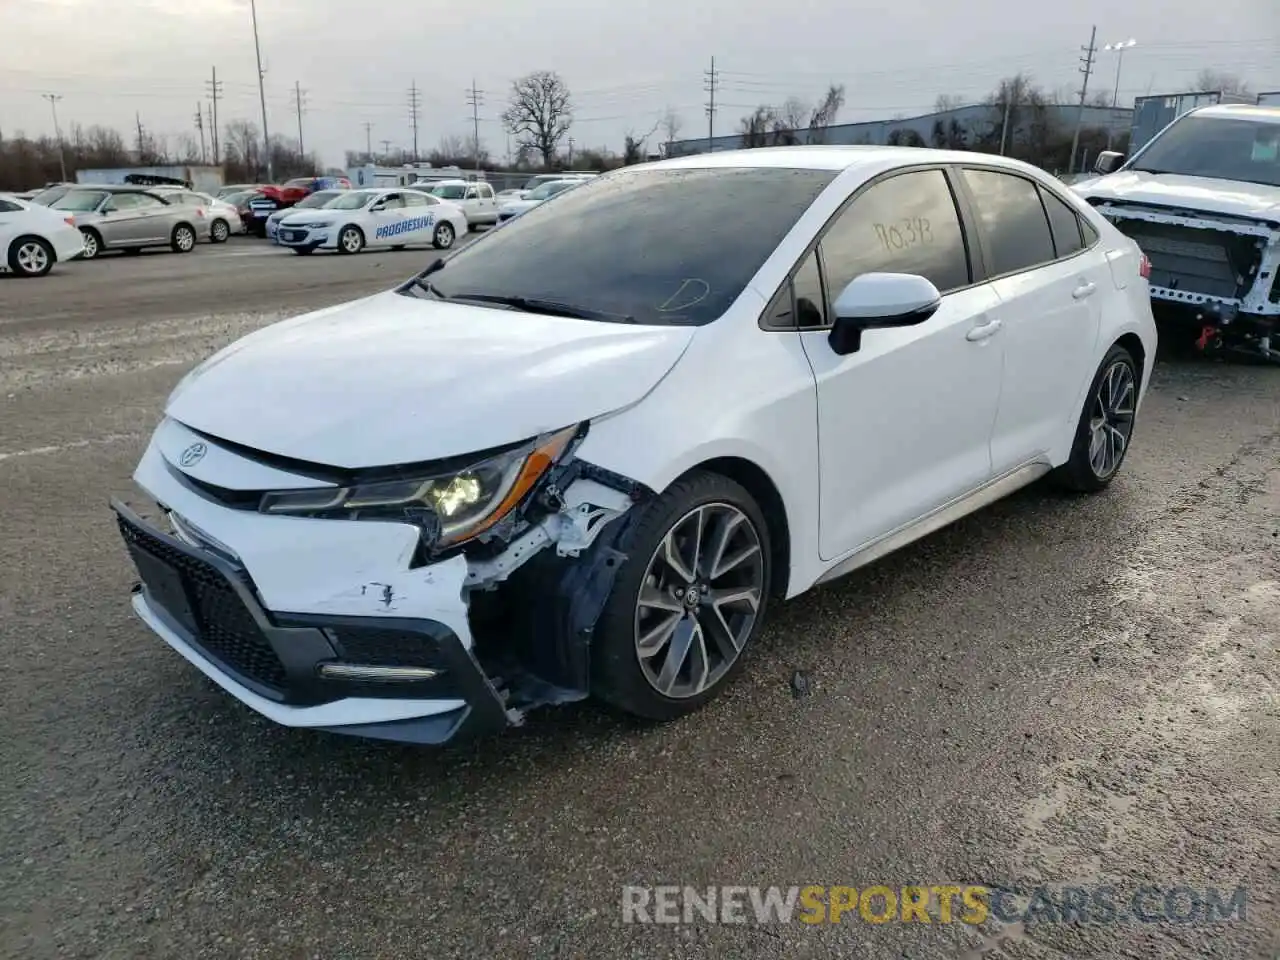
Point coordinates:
[(1064, 223), (1014, 226)]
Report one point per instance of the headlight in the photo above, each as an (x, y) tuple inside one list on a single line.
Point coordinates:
[(449, 507), (320, 225)]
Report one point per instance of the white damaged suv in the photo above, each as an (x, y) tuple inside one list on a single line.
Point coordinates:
[(581, 455)]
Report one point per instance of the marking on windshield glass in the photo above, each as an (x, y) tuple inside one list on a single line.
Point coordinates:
[(690, 293)]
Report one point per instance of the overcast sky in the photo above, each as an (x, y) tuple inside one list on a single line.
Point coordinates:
[(624, 62)]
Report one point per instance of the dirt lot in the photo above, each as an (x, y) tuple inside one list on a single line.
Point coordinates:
[(1054, 691)]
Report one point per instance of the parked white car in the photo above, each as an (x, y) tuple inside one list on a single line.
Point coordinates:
[(223, 217), (33, 238), (1202, 199), (311, 201), (385, 217), (530, 199), (477, 200), (584, 454)]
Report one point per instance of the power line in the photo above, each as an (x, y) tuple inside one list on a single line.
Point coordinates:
[(475, 98), (1086, 68), (415, 101), (710, 77), (215, 91)]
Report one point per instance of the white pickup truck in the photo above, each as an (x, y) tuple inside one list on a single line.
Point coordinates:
[(476, 198), (1202, 200)]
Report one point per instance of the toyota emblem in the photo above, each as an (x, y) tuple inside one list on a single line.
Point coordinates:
[(192, 455)]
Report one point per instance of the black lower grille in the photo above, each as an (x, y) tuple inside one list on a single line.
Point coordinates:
[(222, 625), (392, 648), (1212, 262)]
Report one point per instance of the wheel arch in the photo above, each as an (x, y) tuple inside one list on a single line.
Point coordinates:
[(1133, 343)]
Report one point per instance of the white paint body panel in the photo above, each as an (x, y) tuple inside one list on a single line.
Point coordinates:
[(34, 220)]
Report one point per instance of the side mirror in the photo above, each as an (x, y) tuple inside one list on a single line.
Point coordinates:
[(878, 300), (1108, 162), (380, 205)]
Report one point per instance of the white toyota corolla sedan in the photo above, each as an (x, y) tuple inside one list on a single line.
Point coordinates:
[(582, 455), (356, 219)]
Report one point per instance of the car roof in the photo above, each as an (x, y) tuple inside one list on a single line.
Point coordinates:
[(830, 158), (1241, 111), (120, 188)]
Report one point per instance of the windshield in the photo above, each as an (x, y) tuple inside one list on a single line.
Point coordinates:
[(450, 191), (317, 199), (666, 247), (551, 189), (1218, 147), (80, 201), (351, 200), (49, 195), (539, 181)]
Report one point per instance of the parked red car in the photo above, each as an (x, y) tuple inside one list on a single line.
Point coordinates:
[(273, 198)]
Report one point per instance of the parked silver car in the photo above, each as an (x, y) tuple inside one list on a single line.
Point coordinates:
[(224, 218), (131, 218)]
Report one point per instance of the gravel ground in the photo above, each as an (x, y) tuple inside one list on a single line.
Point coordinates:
[(1054, 691)]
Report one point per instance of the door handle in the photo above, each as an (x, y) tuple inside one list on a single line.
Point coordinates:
[(1085, 289), (983, 331)]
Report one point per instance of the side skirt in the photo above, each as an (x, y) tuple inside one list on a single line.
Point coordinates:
[(947, 514)]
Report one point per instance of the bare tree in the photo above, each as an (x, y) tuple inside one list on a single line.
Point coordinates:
[(1220, 82), (794, 114), (947, 102), (756, 128), (824, 114), (633, 146), (671, 124), (243, 149), (539, 113)]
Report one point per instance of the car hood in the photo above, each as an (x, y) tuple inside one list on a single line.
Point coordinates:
[(394, 379), (1228, 197), (519, 206)]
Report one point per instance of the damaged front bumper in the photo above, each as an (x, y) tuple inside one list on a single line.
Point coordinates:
[(331, 625), (1220, 272)]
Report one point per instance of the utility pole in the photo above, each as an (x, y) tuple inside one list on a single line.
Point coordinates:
[(53, 99), (475, 98), (215, 91), (1086, 68), (200, 126), (298, 97), (386, 148), (138, 118), (262, 90), (368, 142), (571, 152), (711, 77), (415, 101)]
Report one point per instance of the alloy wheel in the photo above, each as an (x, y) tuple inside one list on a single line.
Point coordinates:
[(444, 236), (1111, 419), (32, 257), (699, 600), (220, 232), (185, 239), (90, 244), (351, 241)]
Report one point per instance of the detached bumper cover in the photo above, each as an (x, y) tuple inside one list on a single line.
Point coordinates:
[(206, 607)]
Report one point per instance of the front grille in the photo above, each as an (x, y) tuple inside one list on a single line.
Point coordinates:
[(1212, 262), (224, 629)]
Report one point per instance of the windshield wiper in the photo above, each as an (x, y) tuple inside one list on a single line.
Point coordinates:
[(551, 307), (421, 282)]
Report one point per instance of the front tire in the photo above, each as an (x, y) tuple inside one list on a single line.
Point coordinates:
[(350, 240), (686, 603), (1105, 427), (30, 257), (183, 239), (443, 237)]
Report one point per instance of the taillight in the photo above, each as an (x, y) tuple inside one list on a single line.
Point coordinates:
[(1144, 267), (199, 211), (69, 221)]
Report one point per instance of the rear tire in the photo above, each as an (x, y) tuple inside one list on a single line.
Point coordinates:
[(219, 231), (31, 257), (443, 237), (710, 610), (92, 244), (183, 239), (1105, 428)]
